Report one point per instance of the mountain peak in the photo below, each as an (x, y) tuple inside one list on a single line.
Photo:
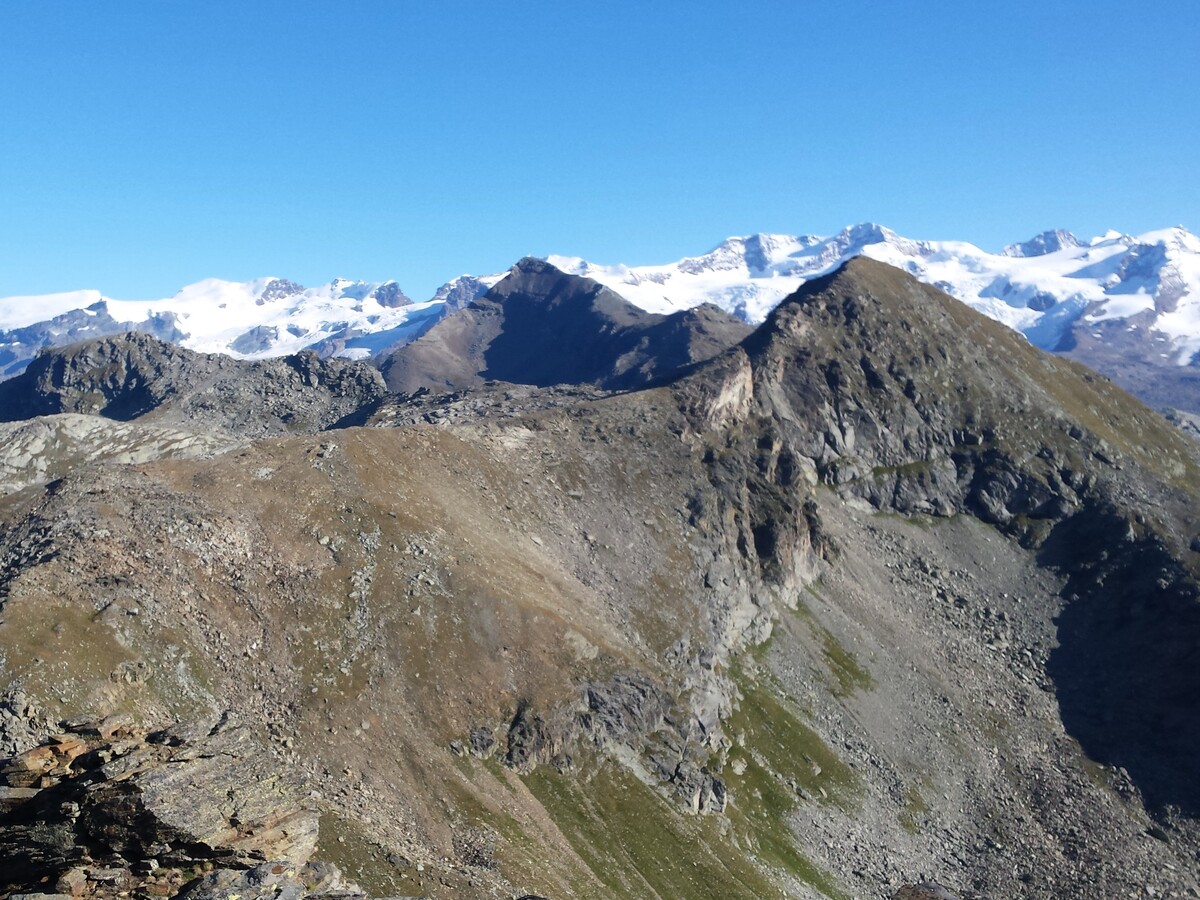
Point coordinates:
[(542, 326), (867, 233), (1042, 245), (534, 265), (464, 290), (1176, 238)]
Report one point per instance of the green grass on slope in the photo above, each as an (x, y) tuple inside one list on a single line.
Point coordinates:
[(777, 764), (346, 844), (640, 847), (848, 675), (771, 737)]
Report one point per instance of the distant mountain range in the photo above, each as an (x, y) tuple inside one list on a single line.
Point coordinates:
[(1128, 306), (1044, 287)]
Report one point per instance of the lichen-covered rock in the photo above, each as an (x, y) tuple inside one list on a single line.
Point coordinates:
[(91, 804)]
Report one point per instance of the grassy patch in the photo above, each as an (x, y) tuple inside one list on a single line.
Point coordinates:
[(485, 800), (639, 846), (501, 774), (73, 660), (772, 737), (847, 674), (778, 761), (915, 809), (348, 846), (1032, 532)]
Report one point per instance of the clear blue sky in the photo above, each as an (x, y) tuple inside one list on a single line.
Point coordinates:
[(146, 145)]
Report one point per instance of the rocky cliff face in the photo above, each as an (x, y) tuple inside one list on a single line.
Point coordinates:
[(845, 607)]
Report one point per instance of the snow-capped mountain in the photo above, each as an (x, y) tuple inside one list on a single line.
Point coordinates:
[(1126, 305), (1046, 287), (250, 320), (245, 319)]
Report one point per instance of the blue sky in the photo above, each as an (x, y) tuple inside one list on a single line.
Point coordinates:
[(146, 145)]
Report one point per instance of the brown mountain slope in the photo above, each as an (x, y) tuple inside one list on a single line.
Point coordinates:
[(831, 611)]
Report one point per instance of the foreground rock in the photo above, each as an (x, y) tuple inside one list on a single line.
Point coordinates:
[(105, 809)]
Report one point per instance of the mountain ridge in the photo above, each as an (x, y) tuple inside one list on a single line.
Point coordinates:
[(1127, 305), (136, 376)]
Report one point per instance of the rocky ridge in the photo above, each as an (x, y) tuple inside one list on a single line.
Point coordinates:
[(135, 376)]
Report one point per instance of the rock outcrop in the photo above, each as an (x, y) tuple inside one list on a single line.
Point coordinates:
[(104, 808), (36, 451)]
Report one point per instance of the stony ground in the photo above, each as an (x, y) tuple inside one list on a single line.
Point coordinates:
[(838, 612)]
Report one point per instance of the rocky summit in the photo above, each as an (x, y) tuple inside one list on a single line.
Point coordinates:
[(541, 326), (877, 600)]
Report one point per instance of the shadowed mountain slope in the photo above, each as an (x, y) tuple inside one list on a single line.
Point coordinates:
[(540, 326)]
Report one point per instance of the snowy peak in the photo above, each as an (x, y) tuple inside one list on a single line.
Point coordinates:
[(263, 317), (389, 296), (757, 254), (465, 290), (1045, 243), (279, 289), (1177, 239), (1047, 287), (856, 237)]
